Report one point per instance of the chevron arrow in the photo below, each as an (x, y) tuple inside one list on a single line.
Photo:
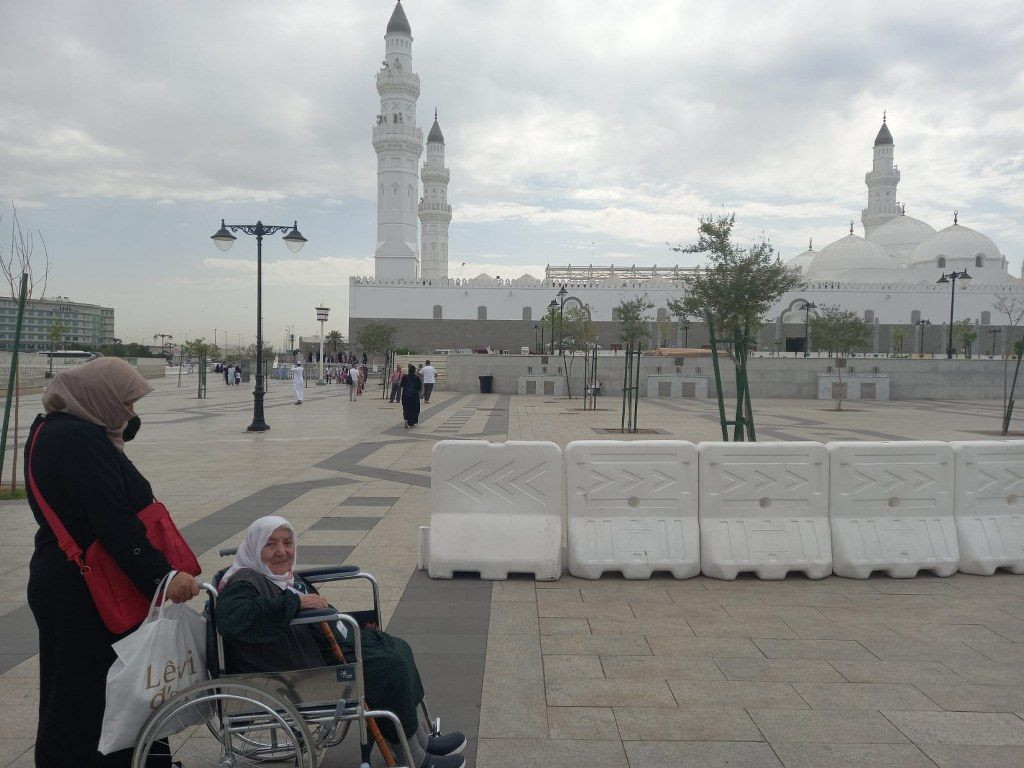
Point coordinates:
[(661, 480), (766, 481), (733, 480), (628, 476)]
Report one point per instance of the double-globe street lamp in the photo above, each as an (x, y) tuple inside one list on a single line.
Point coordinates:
[(952, 277), (993, 332), (922, 324), (551, 315), (224, 240), (562, 293)]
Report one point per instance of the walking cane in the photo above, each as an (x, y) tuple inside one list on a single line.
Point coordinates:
[(378, 737)]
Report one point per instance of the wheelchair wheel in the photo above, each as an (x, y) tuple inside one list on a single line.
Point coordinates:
[(218, 724)]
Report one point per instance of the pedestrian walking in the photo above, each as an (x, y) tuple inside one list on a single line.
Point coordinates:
[(231, 375), (429, 374), (411, 386), (396, 385), (224, 368), (75, 463), (298, 380), (352, 377)]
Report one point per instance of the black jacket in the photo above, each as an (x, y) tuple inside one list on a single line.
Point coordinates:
[(96, 492)]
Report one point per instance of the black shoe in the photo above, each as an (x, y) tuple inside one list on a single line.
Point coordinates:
[(448, 744), (443, 761)]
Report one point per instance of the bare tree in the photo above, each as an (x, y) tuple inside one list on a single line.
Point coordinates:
[(18, 259), (1012, 307)]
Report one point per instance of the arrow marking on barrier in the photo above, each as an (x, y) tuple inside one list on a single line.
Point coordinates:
[(1016, 479), (734, 481), (866, 481), (603, 481), (661, 481), (463, 482), (499, 482), (766, 481), (992, 480), (524, 484), (627, 476), (923, 481), (797, 480), (895, 481)]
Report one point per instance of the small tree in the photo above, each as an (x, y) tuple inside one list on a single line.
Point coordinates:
[(376, 338), (57, 330), (839, 332), (578, 335), (897, 342), (200, 348), (634, 321), (1012, 308), (964, 333), (732, 294)]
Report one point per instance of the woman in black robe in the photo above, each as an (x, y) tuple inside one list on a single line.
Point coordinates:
[(411, 386), (75, 455)]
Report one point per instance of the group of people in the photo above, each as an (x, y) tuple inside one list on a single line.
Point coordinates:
[(407, 388), (352, 373), (232, 373), (79, 468)]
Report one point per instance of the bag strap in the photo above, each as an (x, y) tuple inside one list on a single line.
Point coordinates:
[(67, 544)]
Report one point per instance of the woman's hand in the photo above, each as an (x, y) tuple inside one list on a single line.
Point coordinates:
[(183, 587), (312, 603)]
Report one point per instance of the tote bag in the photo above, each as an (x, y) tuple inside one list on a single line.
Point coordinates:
[(162, 657), (120, 603)]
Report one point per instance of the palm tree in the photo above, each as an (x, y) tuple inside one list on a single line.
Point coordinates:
[(335, 339)]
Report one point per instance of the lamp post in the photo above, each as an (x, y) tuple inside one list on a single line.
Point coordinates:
[(224, 240), (807, 307), (321, 316), (952, 277), (164, 337), (921, 324), (562, 293), (537, 344), (994, 331), (686, 335), (551, 314)]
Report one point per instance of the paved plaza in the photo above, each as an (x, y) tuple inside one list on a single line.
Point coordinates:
[(602, 674)]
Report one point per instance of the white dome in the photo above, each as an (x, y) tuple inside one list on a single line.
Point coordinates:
[(838, 260), (901, 235), (802, 262), (955, 243)]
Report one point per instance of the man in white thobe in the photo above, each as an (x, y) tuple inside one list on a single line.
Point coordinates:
[(298, 381)]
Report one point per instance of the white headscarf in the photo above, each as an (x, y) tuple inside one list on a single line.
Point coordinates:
[(248, 554)]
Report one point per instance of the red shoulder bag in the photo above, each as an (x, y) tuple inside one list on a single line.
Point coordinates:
[(120, 603)]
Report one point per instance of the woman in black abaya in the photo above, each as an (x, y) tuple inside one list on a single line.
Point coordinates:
[(411, 386)]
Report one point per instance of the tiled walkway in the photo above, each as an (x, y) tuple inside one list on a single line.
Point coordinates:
[(925, 672)]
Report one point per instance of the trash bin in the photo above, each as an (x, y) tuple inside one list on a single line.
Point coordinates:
[(486, 384)]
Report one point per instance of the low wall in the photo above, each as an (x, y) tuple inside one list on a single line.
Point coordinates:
[(771, 377)]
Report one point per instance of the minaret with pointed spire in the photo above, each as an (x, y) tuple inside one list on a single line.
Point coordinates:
[(435, 212), (399, 145), (881, 180)]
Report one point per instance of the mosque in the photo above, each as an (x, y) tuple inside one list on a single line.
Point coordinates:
[(890, 275)]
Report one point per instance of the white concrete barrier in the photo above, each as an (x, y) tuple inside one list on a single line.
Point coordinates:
[(496, 508), (891, 508), (632, 507), (988, 505), (763, 508)]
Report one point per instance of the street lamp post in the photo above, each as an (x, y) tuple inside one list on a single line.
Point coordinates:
[(921, 324), (551, 314), (562, 293), (164, 338), (321, 316), (537, 343), (994, 331), (952, 277), (224, 240), (807, 307)]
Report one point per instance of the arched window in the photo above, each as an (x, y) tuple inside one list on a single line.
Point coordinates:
[(481, 313), (979, 260), (986, 317), (437, 312), (915, 317), (869, 315), (662, 315), (527, 313), (941, 262)]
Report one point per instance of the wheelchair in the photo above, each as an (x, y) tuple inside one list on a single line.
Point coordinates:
[(280, 718)]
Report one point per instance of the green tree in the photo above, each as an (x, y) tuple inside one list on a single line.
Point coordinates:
[(376, 338), (579, 335), (897, 337), (732, 294), (334, 340), (200, 348), (634, 320), (57, 330), (838, 331), (964, 333)]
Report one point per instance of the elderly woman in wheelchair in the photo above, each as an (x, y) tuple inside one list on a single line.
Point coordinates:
[(276, 638)]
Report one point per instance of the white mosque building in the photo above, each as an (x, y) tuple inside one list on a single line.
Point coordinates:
[(890, 275)]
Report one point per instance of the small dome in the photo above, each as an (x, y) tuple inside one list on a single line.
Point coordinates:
[(901, 235), (954, 243), (435, 135), (399, 23), (802, 262), (849, 254), (883, 137)]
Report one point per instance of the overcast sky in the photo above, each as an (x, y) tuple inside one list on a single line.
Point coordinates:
[(576, 132)]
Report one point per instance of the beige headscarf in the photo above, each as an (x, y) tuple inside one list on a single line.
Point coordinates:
[(97, 392)]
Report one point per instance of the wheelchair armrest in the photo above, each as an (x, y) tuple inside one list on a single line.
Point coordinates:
[(314, 617), (227, 551), (329, 573)]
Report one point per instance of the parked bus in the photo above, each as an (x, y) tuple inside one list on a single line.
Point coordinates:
[(68, 355)]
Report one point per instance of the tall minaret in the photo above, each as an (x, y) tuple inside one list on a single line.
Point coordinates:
[(399, 145), (435, 212), (881, 180)]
